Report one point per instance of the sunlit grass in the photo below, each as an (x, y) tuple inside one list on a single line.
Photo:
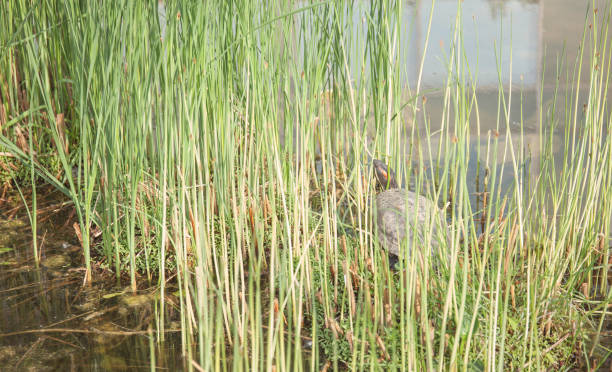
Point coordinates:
[(225, 148)]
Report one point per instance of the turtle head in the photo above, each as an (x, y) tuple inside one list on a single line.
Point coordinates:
[(385, 176)]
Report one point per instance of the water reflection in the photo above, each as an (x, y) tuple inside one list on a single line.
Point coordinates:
[(490, 31), (518, 44), (50, 322)]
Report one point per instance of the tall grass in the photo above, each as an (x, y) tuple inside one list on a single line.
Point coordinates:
[(223, 149)]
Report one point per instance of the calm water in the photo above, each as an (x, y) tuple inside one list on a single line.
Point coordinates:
[(518, 43), (538, 34), (50, 322)]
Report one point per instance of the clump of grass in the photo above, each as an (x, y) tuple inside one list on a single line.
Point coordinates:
[(224, 146)]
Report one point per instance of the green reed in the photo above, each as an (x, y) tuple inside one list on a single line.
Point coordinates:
[(223, 149)]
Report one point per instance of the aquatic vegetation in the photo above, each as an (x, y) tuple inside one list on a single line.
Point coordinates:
[(225, 148)]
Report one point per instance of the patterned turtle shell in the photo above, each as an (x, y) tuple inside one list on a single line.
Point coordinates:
[(394, 206)]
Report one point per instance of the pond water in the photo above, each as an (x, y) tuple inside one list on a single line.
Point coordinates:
[(50, 322), (528, 47), (532, 40), (33, 301)]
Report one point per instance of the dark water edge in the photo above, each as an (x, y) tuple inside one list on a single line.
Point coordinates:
[(49, 321)]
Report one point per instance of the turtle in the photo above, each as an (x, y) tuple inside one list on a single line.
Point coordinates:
[(396, 209)]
